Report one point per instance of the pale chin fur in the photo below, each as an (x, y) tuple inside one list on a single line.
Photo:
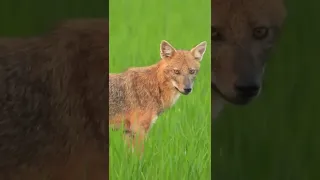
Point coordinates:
[(217, 106), (174, 84), (177, 95)]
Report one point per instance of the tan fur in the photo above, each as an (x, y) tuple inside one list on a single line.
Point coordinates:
[(243, 33), (53, 101), (139, 95)]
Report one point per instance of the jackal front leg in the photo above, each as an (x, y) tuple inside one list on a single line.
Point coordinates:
[(137, 128)]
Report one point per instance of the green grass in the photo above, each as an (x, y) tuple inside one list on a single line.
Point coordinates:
[(179, 144)]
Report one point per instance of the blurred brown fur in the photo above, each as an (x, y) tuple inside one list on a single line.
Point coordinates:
[(243, 33), (54, 104)]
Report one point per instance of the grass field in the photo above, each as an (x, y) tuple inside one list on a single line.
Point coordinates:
[(179, 143)]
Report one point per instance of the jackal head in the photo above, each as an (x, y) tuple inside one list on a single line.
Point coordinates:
[(242, 34), (181, 66)]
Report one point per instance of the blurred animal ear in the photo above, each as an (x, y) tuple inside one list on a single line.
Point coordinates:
[(166, 50), (199, 50)]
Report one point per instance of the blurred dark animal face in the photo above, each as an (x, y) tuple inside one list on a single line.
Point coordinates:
[(242, 34)]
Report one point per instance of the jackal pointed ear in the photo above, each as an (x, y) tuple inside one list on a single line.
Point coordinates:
[(166, 50), (199, 50)]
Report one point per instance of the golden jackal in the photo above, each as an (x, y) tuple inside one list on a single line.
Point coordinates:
[(242, 34), (139, 95)]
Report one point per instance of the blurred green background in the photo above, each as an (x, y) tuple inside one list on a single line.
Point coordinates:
[(277, 137), (28, 18)]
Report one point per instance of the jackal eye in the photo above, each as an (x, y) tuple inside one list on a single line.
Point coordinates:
[(260, 33), (216, 34), (176, 71), (192, 71)]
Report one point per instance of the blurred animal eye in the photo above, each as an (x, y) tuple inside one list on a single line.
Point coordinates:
[(216, 34), (176, 71), (260, 33), (192, 71)]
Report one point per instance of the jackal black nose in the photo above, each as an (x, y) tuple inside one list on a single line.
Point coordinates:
[(247, 90), (187, 90)]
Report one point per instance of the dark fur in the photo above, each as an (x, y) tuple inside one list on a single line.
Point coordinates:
[(53, 101), (239, 51)]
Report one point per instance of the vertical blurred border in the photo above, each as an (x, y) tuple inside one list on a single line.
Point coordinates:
[(277, 136), (20, 18)]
